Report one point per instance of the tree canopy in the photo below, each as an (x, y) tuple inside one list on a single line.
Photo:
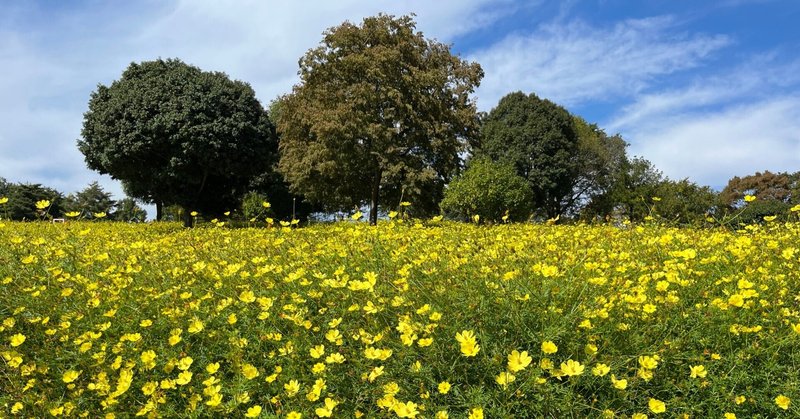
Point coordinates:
[(22, 199), (489, 189), (90, 201), (538, 138), (380, 112), (174, 134), (599, 160)]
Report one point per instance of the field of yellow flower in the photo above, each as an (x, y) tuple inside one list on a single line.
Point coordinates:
[(411, 319)]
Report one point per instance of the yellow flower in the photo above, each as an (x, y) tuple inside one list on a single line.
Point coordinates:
[(294, 415), (212, 368), (357, 215), (42, 204), (17, 339), (600, 370), (648, 362), (749, 198), (73, 214), (740, 399), (549, 347), (214, 400), (253, 412), (729, 415), (783, 402), (736, 300), (148, 356), (101, 214), (619, 384), (375, 373), (444, 387), (17, 407), (571, 368), (405, 410), (504, 378), (193, 213), (195, 326), (698, 371), (476, 413), (249, 371), (247, 296), (638, 416), (174, 340), (656, 406), (184, 363), (292, 387), (796, 328), (327, 411), (518, 361), (317, 351), (469, 345), (184, 378), (149, 388), (70, 376), (3, 200)]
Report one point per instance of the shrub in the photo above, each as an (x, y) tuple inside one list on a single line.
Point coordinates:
[(490, 190)]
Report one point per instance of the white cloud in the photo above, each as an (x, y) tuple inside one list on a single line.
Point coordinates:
[(756, 79), (575, 62), (732, 123), (261, 42), (711, 147)]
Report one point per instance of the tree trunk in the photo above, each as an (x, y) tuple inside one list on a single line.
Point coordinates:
[(376, 189), (159, 210), (187, 218)]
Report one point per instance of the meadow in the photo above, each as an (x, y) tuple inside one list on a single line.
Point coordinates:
[(406, 319)]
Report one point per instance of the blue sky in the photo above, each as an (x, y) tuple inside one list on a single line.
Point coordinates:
[(704, 90)]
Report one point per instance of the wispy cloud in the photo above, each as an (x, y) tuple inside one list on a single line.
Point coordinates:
[(261, 42), (576, 62), (734, 122), (711, 147), (758, 78)]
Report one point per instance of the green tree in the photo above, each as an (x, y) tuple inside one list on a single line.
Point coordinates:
[(22, 199), (174, 134), (765, 186), (599, 161), (91, 200), (380, 112), (4, 186), (538, 138), (128, 210), (775, 194), (684, 202), (635, 187), (488, 189)]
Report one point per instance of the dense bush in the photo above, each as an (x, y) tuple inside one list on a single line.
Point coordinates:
[(490, 190)]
